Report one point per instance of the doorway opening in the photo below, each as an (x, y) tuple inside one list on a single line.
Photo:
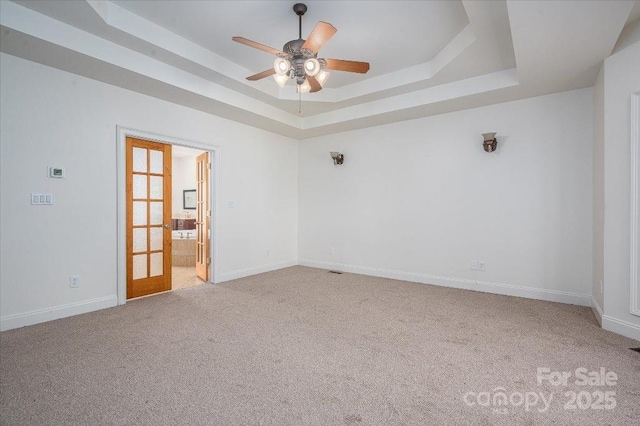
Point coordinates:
[(190, 218), (166, 233)]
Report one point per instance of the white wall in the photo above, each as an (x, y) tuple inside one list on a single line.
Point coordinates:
[(183, 177), (418, 200), (598, 195), (622, 78), (50, 117)]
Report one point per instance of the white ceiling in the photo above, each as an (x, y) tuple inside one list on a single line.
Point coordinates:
[(212, 24), (427, 57)]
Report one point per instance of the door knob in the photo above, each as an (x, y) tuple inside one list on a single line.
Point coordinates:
[(166, 226)]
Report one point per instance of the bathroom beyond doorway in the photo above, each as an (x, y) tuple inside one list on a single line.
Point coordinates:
[(190, 227)]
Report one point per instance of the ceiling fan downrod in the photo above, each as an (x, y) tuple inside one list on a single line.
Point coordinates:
[(300, 9)]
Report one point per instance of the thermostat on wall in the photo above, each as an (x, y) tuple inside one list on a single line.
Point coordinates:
[(56, 172)]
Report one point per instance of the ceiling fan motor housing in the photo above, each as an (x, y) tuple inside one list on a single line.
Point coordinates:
[(293, 47), (297, 56)]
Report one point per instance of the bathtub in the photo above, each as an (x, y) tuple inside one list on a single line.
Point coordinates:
[(178, 235), (183, 250)]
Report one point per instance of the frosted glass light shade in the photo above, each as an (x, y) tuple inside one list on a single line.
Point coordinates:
[(281, 79), (489, 136), (281, 66), (303, 88), (311, 67), (322, 77)]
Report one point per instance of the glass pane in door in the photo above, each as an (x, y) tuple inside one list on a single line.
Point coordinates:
[(139, 213), (139, 186), (139, 160), (157, 163), (139, 240), (155, 187), (139, 266)]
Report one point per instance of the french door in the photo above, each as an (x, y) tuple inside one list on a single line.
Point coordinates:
[(203, 216), (148, 183)]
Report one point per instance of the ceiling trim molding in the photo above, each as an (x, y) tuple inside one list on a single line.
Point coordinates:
[(132, 24), (506, 51), (48, 29), (458, 89)]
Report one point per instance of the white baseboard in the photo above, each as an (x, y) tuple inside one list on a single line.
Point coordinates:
[(597, 310), (48, 314), (465, 284), (241, 273), (625, 328), (615, 325)]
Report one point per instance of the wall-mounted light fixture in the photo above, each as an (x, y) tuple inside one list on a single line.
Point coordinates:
[(490, 141), (337, 157)]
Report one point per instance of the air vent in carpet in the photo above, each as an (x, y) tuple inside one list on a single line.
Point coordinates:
[(335, 272), (635, 349)]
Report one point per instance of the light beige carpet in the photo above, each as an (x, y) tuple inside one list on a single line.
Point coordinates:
[(301, 346)]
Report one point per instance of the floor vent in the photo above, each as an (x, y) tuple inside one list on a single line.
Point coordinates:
[(335, 272), (635, 349)]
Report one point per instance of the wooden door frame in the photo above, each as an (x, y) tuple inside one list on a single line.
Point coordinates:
[(214, 153)]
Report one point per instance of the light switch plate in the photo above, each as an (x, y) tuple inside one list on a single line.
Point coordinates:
[(41, 199)]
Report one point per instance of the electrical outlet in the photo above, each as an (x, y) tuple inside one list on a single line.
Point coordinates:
[(74, 281), (474, 265), (332, 250), (267, 252), (482, 266)]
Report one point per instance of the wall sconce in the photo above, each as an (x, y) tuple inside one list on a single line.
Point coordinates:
[(337, 157), (490, 141)]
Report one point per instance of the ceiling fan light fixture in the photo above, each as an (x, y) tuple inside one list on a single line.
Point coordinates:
[(322, 77), (281, 79), (298, 60), (311, 67), (281, 66), (304, 87)]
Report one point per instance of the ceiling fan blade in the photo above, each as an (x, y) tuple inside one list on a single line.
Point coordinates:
[(319, 36), (349, 66), (315, 85), (261, 75), (257, 45)]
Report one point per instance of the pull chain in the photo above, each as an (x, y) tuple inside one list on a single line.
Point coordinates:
[(299, 103)]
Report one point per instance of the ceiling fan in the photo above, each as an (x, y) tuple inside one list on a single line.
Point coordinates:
[(298, 60)]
